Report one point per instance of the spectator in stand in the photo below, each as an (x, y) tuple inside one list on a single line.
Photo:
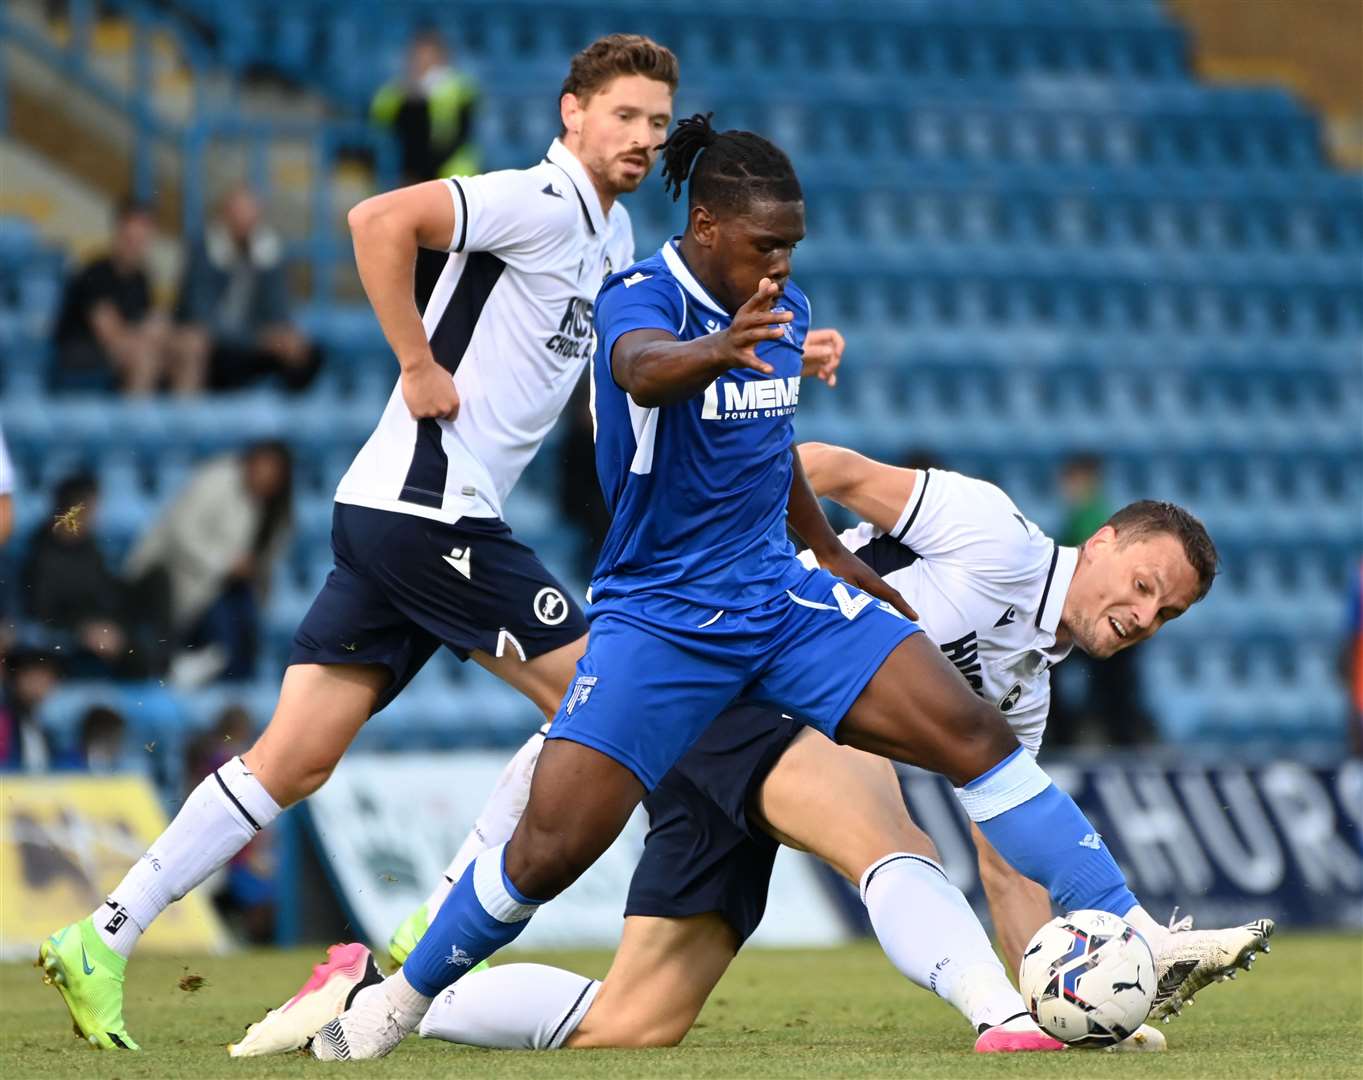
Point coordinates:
[(1094, 703), (233, 312), (112, 629), (108, 334), (1352, 657), (247, 896), (103, 746), (218, 543), (430, 110), (1086, 505), (29, 676), (6, 492)]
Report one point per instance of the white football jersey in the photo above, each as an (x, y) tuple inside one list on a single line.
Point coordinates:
[(987, 584), (510, 317)]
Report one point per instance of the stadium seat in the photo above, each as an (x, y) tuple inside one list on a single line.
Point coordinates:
[(1039, 233)]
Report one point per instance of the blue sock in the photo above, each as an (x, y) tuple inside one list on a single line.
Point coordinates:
[(482, 913), (1044, 835)]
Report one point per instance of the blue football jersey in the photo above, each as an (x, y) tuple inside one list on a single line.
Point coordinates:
[(697, 490)]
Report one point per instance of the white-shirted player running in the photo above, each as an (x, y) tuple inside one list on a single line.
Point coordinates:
[(423, 558), (1005, 603)]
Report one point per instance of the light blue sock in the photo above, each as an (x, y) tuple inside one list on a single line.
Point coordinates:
[(481, 914), (1044, 835)]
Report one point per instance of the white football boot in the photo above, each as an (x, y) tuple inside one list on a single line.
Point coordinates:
[(1144, 1040), (378, 1019), (327, 994), (1188, 960)]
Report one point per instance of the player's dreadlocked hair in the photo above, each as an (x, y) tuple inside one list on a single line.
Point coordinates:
[(727, 169)]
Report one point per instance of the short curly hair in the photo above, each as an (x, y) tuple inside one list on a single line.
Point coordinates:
[(614, 55)]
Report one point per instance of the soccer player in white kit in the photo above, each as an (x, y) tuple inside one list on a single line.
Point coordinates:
[(488, 360), (1005, 603)]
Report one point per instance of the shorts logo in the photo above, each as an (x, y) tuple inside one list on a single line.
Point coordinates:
[(578, 695), (550, 606), (459, 558), (850, 606)]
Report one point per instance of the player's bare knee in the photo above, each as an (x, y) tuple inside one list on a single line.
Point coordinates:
[(626, 1029), (663, 1033), (626, 1033), (983, 739), (542, 863)]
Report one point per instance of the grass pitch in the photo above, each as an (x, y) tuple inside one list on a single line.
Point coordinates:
[(843, 1012)]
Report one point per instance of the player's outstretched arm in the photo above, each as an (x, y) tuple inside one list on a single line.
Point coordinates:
[(807, 519), (872, 490), (654, 368), (386, 230)]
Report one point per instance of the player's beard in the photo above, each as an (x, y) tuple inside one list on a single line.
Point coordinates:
[(623, 178), (1095, 637)]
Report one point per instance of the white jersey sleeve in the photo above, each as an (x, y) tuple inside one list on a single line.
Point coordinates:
[(958, 520), (513, 214)]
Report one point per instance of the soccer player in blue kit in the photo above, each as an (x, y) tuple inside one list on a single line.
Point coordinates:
[(699, 599)]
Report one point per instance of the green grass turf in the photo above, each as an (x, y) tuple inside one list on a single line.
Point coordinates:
[(843, 1012)]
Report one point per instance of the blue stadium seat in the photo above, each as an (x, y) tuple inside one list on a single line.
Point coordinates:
[(1040, 234)]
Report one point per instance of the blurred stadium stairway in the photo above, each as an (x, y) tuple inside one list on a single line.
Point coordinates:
[(91, 88), (1311, 46), (1040, 233), (67, 211)]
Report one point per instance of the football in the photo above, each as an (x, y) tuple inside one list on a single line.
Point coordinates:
[(1088, 978)]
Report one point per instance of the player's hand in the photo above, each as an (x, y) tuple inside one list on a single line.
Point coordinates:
[(754, 324), (429, 392), (855, 572), (823, 355)]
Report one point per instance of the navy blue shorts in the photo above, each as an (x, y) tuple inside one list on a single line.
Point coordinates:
[(404, 585), (701, 853)]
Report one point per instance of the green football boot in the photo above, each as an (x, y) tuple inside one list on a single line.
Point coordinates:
[(405, 937), (89, 976)]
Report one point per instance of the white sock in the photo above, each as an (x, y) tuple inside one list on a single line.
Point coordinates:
[(929, 932), (512, 1007), (218, 819), (407, 1002), (497, 820), (1154, 933)]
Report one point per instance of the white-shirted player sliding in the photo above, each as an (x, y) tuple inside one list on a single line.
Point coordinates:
[(488, 360), (1005, 604)]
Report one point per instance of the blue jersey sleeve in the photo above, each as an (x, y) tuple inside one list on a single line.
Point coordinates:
[(637, 301)]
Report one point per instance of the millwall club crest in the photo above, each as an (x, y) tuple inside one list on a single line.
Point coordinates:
[(550, 606)]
